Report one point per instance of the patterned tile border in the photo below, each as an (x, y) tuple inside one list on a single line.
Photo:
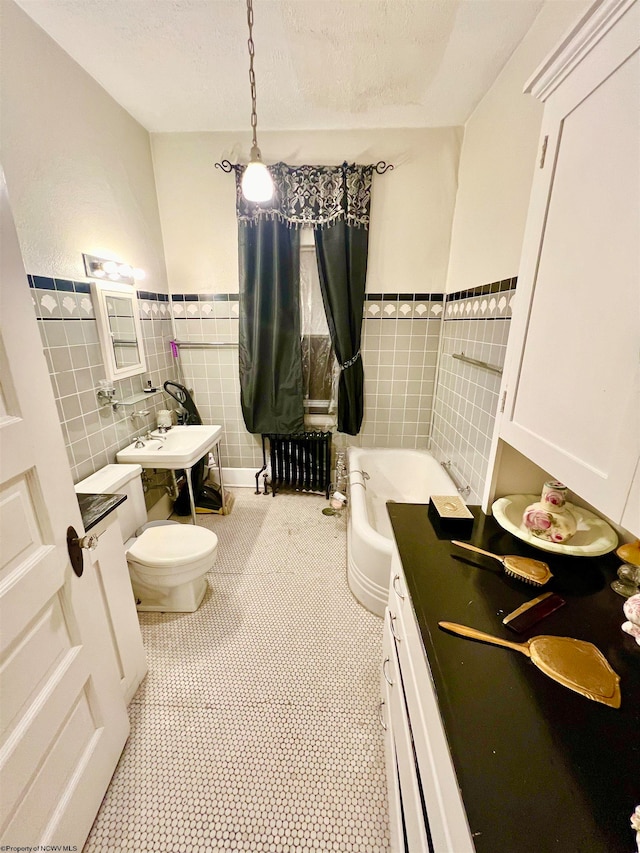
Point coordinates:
[(392, 306), (56, 298), (403, 306), (193, 306), (497, 307), (61, 299), (488, 302), (63, 285), (155, 297), (152, 308), (205, 297), (484, 289), (425, 297), (51, 304)]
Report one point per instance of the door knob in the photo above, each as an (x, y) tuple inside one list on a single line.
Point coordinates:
[(88, 542), (75, 544)]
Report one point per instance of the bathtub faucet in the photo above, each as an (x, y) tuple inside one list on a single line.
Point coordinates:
[(364, 476)]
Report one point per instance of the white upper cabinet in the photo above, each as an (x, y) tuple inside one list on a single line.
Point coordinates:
[(572, 378)]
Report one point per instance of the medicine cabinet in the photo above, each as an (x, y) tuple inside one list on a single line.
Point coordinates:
[(119, 329)]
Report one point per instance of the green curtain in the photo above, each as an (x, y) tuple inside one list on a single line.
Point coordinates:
[(341, 250), (269, 332)]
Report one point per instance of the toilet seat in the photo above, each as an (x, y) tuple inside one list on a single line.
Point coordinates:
[(172, 545)]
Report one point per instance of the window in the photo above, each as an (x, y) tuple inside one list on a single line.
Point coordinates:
[(319, 368)]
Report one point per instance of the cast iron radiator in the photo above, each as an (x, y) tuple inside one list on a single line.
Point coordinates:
[(301, 461)]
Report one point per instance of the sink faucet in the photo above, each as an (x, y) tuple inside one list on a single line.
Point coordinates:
[(148, 437)]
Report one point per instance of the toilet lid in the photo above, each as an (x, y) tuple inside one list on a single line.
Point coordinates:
[(172, 545)]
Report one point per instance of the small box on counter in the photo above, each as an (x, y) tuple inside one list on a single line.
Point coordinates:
[(450, 516)]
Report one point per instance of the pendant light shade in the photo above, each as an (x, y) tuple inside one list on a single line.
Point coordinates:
[(257, 183)]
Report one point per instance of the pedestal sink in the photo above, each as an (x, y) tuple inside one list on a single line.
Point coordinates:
[(179, 448)]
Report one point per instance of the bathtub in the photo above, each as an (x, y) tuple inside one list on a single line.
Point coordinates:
[(405, 476)]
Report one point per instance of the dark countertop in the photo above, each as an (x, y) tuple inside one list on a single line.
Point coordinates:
[(541, 769), (96, 507)]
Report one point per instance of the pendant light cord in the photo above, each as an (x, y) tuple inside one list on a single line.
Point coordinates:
[(252, 76), (256, 183), (255, 157)]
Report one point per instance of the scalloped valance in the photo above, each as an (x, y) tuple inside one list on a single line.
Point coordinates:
[(311, 196)]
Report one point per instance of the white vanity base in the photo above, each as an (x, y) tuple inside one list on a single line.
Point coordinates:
[(419, 766)]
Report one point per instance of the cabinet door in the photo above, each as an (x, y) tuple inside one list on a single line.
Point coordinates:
[(396, 829), (573, 372), (109, 565), (415, 830), (438, 784)]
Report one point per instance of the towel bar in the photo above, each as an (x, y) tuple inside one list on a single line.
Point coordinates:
[(462, 357)]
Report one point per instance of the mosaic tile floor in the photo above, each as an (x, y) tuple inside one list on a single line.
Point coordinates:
[(256, 728)]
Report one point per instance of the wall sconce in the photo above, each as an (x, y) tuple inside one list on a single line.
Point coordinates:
[(108, 270)]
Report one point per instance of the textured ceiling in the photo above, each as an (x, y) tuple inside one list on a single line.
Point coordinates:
[(182, 65)]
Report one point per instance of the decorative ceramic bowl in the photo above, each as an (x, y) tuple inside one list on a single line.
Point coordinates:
[(593, 536)]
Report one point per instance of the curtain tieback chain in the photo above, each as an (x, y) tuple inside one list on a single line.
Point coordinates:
[(350, 361)]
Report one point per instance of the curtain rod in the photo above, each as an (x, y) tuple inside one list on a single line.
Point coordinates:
[(227, 166)]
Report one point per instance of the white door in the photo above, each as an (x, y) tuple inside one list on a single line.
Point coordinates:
[(63, 723)]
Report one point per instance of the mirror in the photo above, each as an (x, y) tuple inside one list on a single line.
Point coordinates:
[(119, 329)]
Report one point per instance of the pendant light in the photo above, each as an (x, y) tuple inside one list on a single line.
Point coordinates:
[(257, 184)]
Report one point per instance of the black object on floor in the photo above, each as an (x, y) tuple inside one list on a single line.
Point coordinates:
[(205, 496)]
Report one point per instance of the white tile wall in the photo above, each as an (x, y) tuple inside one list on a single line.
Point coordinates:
[(399, 353), (402, 335), (66, 320), (400, 340), (466, 399), (213, 374)]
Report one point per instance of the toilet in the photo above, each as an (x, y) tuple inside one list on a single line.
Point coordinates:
[(167, 560)]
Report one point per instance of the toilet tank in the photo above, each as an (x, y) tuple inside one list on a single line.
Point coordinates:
[(120, 480)]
